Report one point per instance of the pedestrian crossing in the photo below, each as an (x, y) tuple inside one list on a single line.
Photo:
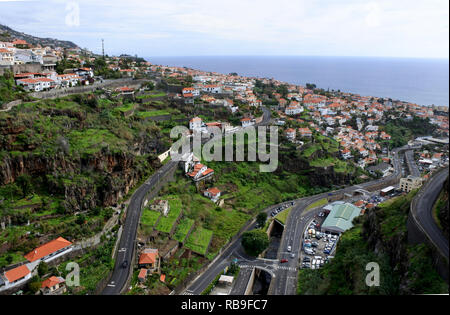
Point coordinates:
[(188, 292), (270, 267), (286, 268)]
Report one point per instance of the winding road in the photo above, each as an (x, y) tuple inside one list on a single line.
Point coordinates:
[(125, 250), (422, 211)]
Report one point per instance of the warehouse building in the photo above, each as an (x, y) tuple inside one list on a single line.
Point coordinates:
[(340, 218)]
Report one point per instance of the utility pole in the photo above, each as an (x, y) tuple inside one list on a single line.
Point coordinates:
[(103, 48)]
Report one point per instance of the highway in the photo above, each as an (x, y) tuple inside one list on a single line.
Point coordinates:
[(422, 207), (126, 246)]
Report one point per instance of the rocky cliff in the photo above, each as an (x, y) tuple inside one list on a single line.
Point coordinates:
[(54, 143)]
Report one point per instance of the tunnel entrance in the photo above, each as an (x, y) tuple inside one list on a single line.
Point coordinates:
[(275, 235), (262, 282)]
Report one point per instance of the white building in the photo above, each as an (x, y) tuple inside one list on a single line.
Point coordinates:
[(293, 110), (14, 277), (246, 122), (195, 123)]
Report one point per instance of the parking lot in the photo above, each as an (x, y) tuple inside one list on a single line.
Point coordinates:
[(318, 248)]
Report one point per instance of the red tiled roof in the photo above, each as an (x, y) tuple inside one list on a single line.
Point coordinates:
[(148, 257), (142, 273), (208, 171), (17, 273), (51, 282), (47, 249), (213, 191), (195, 119)]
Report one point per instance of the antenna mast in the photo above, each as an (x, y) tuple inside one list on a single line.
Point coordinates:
[(103, 48)]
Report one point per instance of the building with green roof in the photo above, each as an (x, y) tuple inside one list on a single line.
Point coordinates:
[(340, 218)]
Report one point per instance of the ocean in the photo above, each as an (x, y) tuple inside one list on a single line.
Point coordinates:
[(421, 81)]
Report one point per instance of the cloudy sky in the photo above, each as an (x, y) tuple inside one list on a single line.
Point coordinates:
[(400, 28)]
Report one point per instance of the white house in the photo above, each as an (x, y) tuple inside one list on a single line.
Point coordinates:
[(50, 251), (290, 134), (212, 88), (212, 193), (246, 122), (14, 277), (190, 90), (195, 123), (293, 110), (6, 57)]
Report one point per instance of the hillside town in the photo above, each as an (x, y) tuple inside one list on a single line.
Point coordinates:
[(359, 131), (353, 121)]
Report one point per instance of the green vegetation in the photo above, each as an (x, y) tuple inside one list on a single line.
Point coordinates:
[(255, 242), (283, 215), (183, 229), (153, 113), (261, 218), (199, 240), (319, 203), (94, 267), (150, 217), (165, 224), (224, 223), (179, 267), (402, 130), (8, 90), (125, 108), (75, 155)]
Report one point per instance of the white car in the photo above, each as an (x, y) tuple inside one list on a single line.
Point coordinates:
[(289, 248)]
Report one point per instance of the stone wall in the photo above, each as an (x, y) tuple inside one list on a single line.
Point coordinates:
[(29, 67)]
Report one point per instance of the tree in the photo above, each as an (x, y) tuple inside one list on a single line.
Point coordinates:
[(255, 242), (34, 285), (261, 218), (310, 86), (42, 269), (24, 182)]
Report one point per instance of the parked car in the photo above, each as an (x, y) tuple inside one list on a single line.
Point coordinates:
[(284, 260)]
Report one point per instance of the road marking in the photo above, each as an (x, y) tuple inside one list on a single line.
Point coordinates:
[(111, 285), (286, 268), (122, 250)]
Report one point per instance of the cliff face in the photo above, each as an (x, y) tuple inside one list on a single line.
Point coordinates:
[(442, 205), (76, 150), (111, 176), (318, 176), (386, 234)]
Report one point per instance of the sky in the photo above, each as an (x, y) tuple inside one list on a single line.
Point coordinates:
[(382, 28)]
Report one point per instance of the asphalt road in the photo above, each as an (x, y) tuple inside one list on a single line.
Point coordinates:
[(412, 166), (423, 207), (127, 241), (285, 274)]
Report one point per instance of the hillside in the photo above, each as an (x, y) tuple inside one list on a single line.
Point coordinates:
[(441, 209), (7, 33)]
